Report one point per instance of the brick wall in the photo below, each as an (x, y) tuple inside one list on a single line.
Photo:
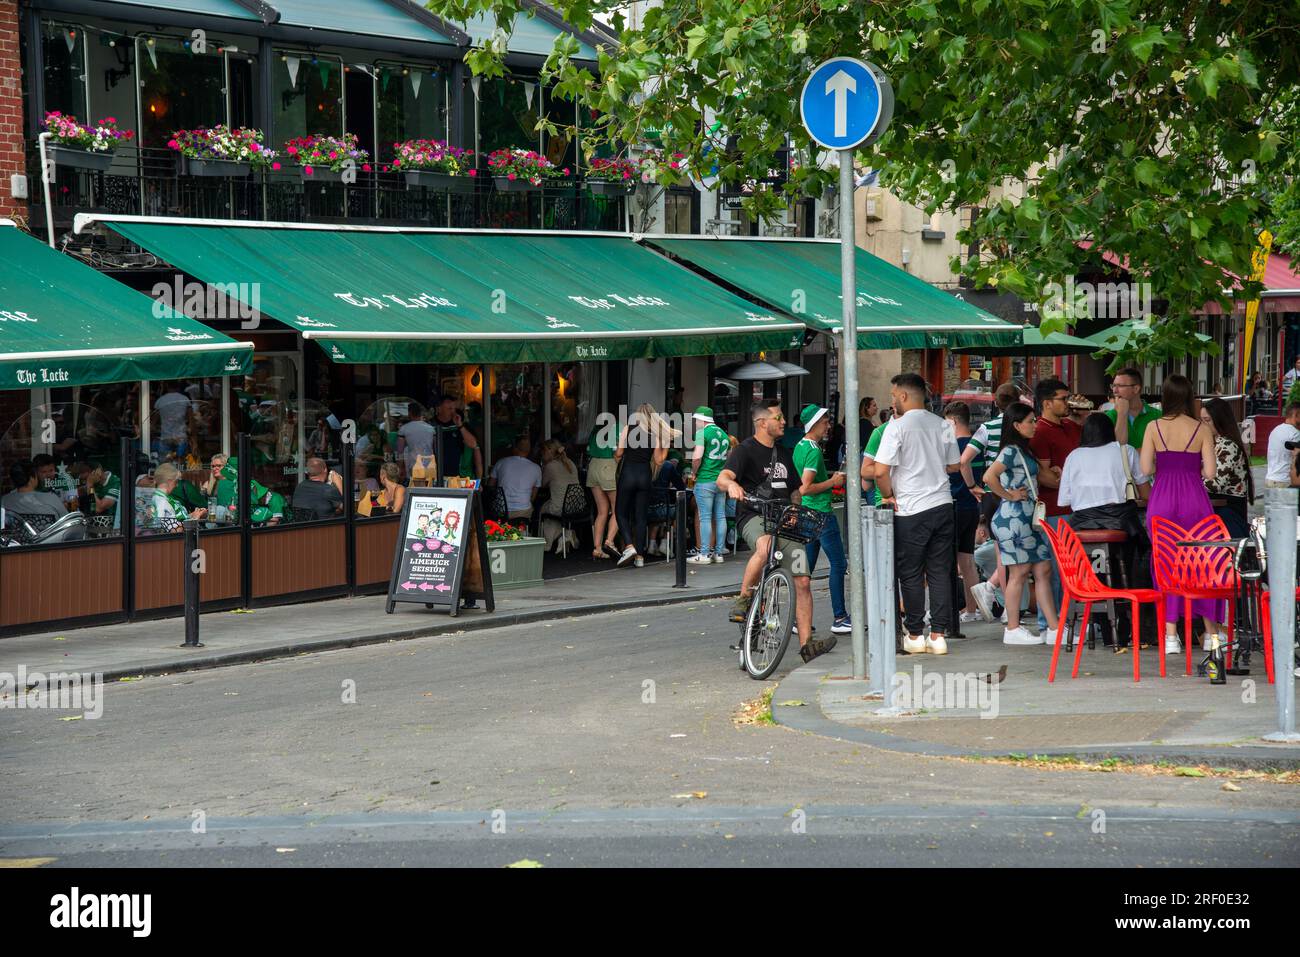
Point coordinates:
[(11, 111)]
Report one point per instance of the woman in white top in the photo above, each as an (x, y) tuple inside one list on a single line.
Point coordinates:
[(558, 473)]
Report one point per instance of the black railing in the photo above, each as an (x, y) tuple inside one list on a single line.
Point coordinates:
[(151, 182)]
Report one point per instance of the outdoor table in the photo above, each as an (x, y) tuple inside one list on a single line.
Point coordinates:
[(1250, 587)]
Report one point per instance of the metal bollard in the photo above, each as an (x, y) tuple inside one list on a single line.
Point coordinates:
[(191, 585), (679, 538), (1280, 510), (872, 602), (884, 625)]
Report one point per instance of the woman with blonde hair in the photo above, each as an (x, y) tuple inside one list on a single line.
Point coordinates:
[(642, 448), (394, 494), (558, 473)]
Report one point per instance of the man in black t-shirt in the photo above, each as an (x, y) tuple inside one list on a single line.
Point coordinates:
[(760, 467), (455, 438)]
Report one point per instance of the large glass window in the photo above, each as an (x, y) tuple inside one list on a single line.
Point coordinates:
[(575, 402), (268, 412), (179, 89), (412, 105), (561, 148), (63, 51), (507, 114), (306, 95), (518, 394)]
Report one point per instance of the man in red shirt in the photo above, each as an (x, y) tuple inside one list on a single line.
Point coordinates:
[(1056, 436)]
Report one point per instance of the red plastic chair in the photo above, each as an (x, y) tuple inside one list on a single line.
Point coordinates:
[(1265, 610), (1194, 573), (1080, 583)]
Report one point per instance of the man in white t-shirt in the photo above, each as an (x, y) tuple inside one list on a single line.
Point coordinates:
[(173, 408), (1281, 460), (912, 465), (415, 438), (520, 477)]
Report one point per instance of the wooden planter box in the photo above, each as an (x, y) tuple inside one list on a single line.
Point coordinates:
[(602, 187), (516, 564), (519, 185), (80, 159), (234, 169), (443, 181)]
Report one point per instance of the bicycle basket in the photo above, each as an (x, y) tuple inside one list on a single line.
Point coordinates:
[(795, 522)]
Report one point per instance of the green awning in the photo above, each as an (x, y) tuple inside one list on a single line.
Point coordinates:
[(1037, 344), (388, 295), (801, 277), (63, 323), (527, 35), (365, 18), (215, 8)]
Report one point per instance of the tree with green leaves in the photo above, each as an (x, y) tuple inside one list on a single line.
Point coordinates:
[(1160, 133)]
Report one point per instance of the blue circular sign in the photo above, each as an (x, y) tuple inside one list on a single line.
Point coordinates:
[(845, 102)]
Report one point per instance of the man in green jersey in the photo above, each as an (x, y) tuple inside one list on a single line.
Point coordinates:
[(711, 449), (1131, 415), (815, 487)]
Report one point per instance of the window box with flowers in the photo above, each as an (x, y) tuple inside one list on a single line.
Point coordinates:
[(515, 170), (611, 177), (83, 147), (515, 559), (433, 164), (221, 151), (323, 159)]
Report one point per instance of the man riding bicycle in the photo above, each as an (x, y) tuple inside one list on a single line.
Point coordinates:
[(757, 467)]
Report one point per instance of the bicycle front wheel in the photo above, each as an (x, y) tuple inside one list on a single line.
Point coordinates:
[(767, 629)]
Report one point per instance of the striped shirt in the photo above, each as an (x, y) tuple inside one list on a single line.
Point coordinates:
[(987, 442)]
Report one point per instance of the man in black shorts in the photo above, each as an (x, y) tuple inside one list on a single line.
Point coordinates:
[(760, 467)]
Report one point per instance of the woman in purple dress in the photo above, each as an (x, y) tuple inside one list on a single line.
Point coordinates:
[(1180, 456)]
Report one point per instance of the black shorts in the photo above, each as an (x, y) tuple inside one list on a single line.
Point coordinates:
[(968, 520)]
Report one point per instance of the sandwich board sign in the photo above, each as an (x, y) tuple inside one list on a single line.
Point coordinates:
[(441, 554)]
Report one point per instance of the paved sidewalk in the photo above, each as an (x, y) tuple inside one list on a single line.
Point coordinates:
[(153, 647), (1098, 715)]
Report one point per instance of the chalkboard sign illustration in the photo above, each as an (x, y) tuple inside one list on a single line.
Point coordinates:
[(437, 561)]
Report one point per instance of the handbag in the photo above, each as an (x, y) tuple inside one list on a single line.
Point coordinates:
[(1130, 487), (1040, 507)]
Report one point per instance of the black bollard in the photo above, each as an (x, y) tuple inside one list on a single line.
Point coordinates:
[(679, 538), (191, 585)]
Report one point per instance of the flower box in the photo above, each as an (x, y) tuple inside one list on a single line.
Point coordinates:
[(321, 175), (516, 185), (605, 187), (283, 176), (214, 167), (443, 181), (516, 564), (80, 159)]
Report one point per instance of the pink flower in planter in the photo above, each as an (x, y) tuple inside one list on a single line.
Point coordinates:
[(473, 172), (275, 165), (291, 150), (334, 154), (566, 171), (307, 170), (365, 168), (173, 145), (510, 175)]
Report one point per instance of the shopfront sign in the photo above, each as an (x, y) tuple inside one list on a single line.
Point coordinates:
[(441, 554)]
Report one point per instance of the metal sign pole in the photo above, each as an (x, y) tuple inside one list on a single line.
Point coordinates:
[(1280, 510), (852, 446)]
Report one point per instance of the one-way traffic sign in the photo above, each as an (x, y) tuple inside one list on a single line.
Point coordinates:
[(846, 103)]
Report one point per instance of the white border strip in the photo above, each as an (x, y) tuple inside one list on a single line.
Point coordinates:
[(144, 351), (524, 336), (83, 220)]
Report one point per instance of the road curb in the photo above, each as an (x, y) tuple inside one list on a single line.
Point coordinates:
[(805, 684), (444, 626)]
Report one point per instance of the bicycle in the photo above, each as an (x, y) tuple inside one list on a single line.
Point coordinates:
[(765, 632)]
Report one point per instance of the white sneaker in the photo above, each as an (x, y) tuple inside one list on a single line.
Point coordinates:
[(699, 560), (970, 616), (936, 646), (1020, 636), (983, 595), (914, 645), (718, 559), (640, 562), (629, 553), (1173, 646)]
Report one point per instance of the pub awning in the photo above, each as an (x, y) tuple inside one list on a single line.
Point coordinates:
[(384, 294), (63, 323), (896, 310)]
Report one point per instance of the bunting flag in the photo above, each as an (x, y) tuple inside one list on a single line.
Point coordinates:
[(70, 38), (292, 63), (474, 83), (416, 78), (528, 92), (1258, 262), (383, 80), (153, 54), (324, 74)]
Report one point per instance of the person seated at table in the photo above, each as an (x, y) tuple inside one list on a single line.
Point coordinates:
[(393, 494), (1232, 480), (265, 507), (26, 499), (558, 473), (663, 503), (520, 477), (364, 478), (103, 489), (163, 510), (316, 493)]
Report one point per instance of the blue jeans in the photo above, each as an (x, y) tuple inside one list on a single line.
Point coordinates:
[(1053, 520), (713, 517), (830, 540)]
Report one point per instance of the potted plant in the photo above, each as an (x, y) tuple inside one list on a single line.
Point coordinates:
[(221, 151), (515, 169), (324, 158), (83, 147), (435, 164), (610, 177), (515, 559)]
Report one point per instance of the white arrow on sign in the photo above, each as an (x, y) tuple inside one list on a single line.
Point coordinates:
[(841, 85)]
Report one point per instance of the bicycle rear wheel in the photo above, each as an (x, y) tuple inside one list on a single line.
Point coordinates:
[(767, 629)]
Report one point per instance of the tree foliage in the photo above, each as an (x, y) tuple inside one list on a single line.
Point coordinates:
[(1162, 132)]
